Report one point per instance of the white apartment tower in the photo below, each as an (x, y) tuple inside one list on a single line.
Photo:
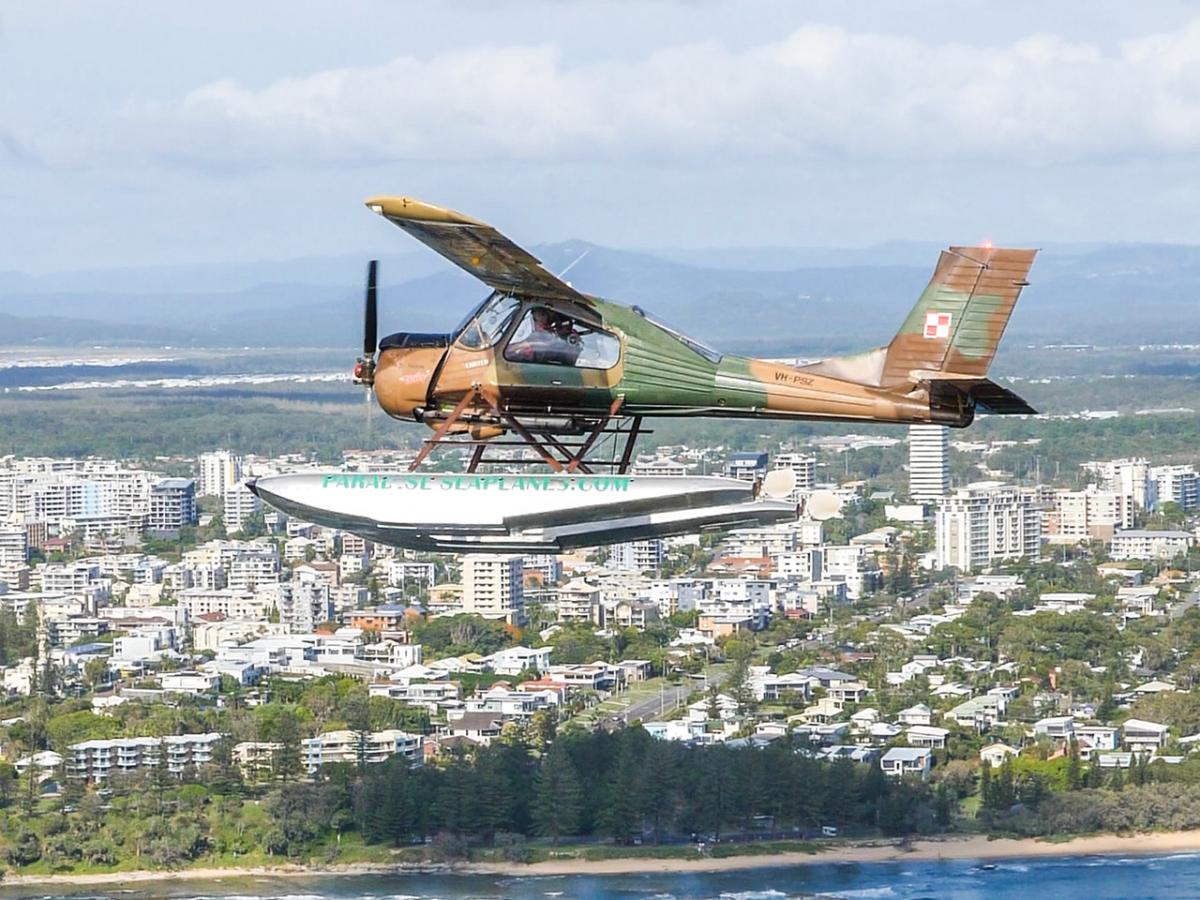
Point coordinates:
[(219, 471), (240, 505), (1126, 476), (1176, 484), (985, 523), (928, 462), (805, 469), (14, 544), (637, 556), (492, 586), (1088, 515)]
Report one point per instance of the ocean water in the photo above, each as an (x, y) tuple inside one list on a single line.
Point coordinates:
[(1093, 878)]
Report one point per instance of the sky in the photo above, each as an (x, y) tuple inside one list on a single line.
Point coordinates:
[(145, 132)]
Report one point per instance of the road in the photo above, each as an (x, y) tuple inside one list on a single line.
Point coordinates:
[(652, 707), (1178, 609), (656, 706)]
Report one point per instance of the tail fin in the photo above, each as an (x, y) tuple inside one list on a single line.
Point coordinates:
[(960, 317)]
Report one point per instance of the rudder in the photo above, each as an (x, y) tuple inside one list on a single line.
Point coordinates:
[(960, 317)]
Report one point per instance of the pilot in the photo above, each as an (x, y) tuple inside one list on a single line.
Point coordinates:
[(552, 340)]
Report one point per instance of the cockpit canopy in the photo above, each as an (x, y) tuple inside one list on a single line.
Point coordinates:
[(538, 332)]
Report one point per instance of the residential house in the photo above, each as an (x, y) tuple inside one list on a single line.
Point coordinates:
[(900, 761), (1144, 737), (927, 736), (1095, 739), (479, 727), (1058, 728), (920, 714), (994, 755)]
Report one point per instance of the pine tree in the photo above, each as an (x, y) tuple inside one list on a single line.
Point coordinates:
[(943, 806), (358, 720), (557, 796), (987, 788), (618, 814), (1108, 707), (226, 777), (1074, 770), (1006, 792), (286, 761)]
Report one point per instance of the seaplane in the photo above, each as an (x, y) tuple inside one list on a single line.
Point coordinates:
[(572, 377)]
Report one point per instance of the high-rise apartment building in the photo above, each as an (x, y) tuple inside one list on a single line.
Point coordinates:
[(172, 506), (1087, 515), (637, 556), (1126, 476), (928, 462), (219, 471), (748, 466), (14, 544), (240, 505), (805, 469), (1176, 484), (492, 586), (986, 523)]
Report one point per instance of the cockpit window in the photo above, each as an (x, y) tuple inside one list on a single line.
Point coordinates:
[(552, 338), (487, 326), (691, 343)]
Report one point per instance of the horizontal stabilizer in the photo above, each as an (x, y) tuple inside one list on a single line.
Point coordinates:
[(980, 394)]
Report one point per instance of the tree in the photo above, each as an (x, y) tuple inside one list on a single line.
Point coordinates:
[(557, 796), (619, 811), (358, 720), (226, 777), (713, 707), (96, 673), (545, 727), (987, 795), (1005, 793), (160, 775), (1074, 770), (943, 805), (741, 653), (286, 759), (1107, 708)]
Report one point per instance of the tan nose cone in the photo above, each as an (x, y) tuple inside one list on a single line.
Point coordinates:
[(402, 379)]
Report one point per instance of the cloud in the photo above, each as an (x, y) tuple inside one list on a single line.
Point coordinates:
[(819, 93)]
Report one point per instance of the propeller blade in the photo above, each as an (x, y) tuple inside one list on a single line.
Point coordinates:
[(371, 329)]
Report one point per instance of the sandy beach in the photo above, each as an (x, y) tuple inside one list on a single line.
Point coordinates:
[(978, 847)]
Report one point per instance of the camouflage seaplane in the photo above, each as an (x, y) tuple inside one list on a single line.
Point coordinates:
[(542, 364)]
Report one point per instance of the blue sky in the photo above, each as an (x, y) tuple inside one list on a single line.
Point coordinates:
[(141, 132)]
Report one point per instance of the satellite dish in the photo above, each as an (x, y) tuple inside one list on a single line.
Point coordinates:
[(823, 505), (778, 484)]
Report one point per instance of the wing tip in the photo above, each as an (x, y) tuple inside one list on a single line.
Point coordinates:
[(414, 210)]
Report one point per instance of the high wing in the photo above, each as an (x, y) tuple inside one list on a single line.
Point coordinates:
[(477, 248)]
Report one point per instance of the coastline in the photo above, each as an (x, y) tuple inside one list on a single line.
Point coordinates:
[(929, 850)]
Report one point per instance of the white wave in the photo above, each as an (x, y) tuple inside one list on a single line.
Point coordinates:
[(105, 362), (199, 381), (861, 892), (752, 895)]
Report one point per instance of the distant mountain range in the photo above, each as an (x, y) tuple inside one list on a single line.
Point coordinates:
[(769, 300), (61, 331)]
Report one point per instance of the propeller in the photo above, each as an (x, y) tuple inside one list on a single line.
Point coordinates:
[(364, 367)]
